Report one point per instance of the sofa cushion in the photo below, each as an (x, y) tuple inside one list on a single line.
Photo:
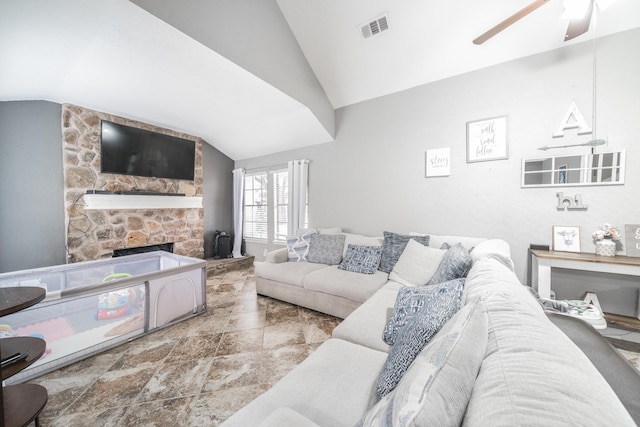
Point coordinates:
[(488, 276), (436, 388), (346, 284), (287, 417), (436, 241), (361, 259), (440, 305), (533, 374), (291, 273), (331, 387), (365, 325), (393, 246), (298, 246), (359, 239), (326, 249), (416, 265), (493, 248), (329, 230), (455, 264)]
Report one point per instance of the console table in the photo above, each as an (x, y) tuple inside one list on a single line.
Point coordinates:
[(543, 261)]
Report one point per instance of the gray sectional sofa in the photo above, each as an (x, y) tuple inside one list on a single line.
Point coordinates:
[(498, 361), (326, 288)]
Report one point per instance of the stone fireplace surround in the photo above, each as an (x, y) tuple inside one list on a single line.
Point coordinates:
[(94, 234)]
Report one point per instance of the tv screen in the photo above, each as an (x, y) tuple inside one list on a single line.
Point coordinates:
[(127, 150)]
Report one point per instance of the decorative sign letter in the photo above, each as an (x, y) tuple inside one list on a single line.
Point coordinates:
[(573, 119), (570, 203)]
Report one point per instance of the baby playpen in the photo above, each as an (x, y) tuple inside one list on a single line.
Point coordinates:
[(95, 305)]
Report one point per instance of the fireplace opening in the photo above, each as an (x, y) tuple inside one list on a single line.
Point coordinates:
[(167, 247)]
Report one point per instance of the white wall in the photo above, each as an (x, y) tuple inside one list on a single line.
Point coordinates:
[(254, 35), (371, 178)]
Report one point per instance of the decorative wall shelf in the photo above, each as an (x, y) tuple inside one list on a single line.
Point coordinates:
[(130, 201), (606, 168)]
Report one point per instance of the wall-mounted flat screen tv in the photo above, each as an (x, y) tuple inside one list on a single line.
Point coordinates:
[(127, 150)]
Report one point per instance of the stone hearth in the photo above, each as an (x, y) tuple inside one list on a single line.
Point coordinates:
[(94, 234)]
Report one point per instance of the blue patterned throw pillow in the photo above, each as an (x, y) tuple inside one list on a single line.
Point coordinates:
[(393, 246), (361, 259), (326, 248), (455, 264), (408, 301), (439, 304)]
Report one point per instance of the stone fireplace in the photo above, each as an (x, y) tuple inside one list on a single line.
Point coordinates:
[(94, 233)]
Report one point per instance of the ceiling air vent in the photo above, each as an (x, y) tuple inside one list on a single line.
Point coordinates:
[(374, 27)]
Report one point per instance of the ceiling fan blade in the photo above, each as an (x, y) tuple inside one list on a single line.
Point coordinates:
[(577, 27), (509, 21)]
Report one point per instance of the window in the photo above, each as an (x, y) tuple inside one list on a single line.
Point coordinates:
[(266, 206), (255, 206)]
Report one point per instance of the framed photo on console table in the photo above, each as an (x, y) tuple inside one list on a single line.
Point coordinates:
[(632, 234), (487, 139), (566, 238)]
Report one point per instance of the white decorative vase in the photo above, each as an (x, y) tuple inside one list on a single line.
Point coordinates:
[(606, 247)]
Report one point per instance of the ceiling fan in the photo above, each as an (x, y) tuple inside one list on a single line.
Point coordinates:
[(576, 26)]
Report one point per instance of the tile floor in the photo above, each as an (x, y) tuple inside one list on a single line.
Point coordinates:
[(195, 373)]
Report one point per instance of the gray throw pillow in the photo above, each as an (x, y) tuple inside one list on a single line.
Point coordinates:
[(439, 305), (326, 248), (393, 246), (361, 259), (455, 264)]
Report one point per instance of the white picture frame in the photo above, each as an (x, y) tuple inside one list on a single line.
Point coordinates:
[(487, 139), (438, 162), (566, 238), (632, 235)]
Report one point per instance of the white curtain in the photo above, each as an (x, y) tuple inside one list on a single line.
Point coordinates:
[(298, 186), (238, 211)]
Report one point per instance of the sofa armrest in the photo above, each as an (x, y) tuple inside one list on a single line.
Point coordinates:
[(623, 378), (277, 256)]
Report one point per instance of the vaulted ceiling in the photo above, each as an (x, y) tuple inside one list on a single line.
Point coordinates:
[(257, 77)]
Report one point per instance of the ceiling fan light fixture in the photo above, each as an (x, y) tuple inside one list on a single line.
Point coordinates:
[(575, 9)]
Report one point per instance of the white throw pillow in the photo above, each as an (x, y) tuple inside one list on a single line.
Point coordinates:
[(417, 264)]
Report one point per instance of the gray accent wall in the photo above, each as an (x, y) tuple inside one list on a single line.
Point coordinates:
[(31, 197), (218, 195), (372, 177)]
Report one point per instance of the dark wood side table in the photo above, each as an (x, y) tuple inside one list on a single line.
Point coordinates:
[(21, 403)]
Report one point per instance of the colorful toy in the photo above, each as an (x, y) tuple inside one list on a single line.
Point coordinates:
[(113, 304)]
